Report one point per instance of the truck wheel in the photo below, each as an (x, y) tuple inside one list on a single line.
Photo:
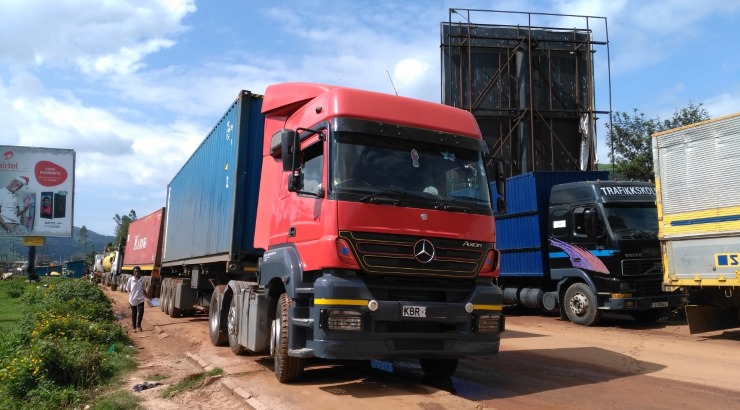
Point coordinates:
[(163, 296), (232, 325), (174, 312), (215, 331), (649, 316), (581, 306), (438, 369), (287, 369), (170, 298)]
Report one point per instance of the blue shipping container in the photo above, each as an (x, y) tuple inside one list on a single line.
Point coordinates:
[(521, 233), (212, 201), (75, 269)]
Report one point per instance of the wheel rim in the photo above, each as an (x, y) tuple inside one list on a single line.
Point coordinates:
[(274, 337), (231, 321), (579, 304), (214, 320)]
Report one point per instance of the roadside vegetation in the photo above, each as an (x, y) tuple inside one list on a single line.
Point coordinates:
[(59, 346), (192, 382)]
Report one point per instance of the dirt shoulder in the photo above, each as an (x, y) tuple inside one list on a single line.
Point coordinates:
[(167, 354)]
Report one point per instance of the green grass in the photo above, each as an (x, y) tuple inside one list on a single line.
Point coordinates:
[(120, 400), (156, 377), (12, 308), (60, 345), (189, 383)]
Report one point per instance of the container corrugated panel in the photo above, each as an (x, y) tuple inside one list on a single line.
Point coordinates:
[(530, 192), (212, 201), (697, 166), (143, 241), (523, 263), (518, 231), (519, 239)]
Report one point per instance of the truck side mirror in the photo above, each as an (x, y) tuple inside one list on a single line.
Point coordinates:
[(290, 145), (290, 149), (497, 175)]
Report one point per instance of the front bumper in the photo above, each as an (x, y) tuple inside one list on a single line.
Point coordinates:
[(387, 331), (669, 300)]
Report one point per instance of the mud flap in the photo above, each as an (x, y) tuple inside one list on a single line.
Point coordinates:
[(703, 318)]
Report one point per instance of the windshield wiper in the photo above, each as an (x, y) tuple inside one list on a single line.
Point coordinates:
[(446, 204), (389, 195), (636, 233)]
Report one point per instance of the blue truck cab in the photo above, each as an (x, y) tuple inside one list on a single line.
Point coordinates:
[(578, 243)]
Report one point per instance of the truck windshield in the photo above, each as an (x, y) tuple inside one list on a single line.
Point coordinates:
[(632, 220), (396, 171)]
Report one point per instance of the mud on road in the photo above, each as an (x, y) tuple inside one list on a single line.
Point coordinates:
[(544, 363)]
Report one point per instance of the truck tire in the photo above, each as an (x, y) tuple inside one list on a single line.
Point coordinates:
[(168, 301), (163, 296), (287, 368), (232, 326), (581, 305), (217, 333), (175, 311), (438, 369)]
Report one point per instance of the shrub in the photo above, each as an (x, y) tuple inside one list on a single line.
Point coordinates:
[(70, 342)]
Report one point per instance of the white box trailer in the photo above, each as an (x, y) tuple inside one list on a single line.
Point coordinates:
[(697, 180)]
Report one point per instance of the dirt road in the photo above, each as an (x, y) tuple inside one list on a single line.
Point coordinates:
[(544, 363)]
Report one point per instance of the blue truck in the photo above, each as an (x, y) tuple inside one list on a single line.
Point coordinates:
[(576, 243)]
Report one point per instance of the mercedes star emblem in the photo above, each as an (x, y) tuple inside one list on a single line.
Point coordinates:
[(424, 251)]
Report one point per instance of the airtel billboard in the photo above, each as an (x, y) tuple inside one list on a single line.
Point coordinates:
[(36, 191)]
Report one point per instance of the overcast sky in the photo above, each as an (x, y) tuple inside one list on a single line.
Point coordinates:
[(134, 86)]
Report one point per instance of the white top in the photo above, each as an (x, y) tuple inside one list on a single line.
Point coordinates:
[(135, 289), (8, 206)]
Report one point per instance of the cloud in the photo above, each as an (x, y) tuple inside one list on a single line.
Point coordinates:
[(97, 37)]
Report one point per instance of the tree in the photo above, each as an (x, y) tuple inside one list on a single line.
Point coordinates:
[(630, 137), (83, 238), (122, 223)]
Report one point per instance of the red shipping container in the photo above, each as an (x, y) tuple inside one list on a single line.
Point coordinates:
[(144, 244)]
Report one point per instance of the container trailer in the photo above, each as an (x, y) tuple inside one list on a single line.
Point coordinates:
[(576, 243), (699, 218), (143, 248), (329, 222)]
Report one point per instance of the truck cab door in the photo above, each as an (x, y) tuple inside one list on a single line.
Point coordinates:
[(304, 207)]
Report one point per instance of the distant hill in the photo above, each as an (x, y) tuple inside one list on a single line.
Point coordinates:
[(66, 249)]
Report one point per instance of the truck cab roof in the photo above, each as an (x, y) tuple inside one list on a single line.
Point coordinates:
[(602, 191)]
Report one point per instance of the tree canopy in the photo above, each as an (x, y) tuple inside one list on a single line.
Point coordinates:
[(122, 223), (630, 138)]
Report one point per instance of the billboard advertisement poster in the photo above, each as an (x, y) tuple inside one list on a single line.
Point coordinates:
[(36, 191)]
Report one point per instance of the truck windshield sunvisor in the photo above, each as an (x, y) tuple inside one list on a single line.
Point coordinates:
[(408, 133)]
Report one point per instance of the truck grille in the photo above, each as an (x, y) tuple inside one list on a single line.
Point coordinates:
[(395, 255), (636, 267), (650, 287)]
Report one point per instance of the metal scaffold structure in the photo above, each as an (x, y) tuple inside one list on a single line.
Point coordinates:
[(531, 87)]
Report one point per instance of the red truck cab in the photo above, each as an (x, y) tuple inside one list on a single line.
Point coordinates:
[(375, 215)]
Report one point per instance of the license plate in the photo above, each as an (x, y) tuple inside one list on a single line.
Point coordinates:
[(414, 311), (659, 304)]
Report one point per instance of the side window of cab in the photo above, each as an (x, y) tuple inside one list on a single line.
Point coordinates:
[(313, 168), (579, 221)]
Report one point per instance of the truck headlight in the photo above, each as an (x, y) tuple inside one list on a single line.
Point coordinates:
[(347, 320)]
